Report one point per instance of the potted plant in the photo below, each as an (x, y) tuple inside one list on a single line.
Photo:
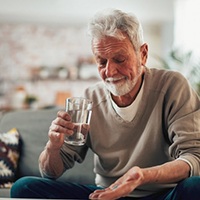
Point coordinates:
[(30, 101), (186, 64)]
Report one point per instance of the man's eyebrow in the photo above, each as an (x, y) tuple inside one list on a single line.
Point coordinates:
[(121, 52)]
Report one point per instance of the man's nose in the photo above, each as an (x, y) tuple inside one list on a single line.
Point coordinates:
[(110, 69)]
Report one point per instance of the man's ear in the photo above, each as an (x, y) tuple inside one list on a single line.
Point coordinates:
[(144, 53)]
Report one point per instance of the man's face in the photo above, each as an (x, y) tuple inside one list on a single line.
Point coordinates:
[(118, 63)]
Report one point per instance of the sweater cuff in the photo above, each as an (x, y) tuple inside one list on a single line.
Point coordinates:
[(189, 163)]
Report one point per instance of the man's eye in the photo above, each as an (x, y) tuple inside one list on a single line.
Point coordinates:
[(119, 60), (102, 62)]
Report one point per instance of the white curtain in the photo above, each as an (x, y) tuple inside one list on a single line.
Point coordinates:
[(187, 26), (187, 39)]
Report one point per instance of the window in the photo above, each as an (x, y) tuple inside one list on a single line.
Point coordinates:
[(187, 28)]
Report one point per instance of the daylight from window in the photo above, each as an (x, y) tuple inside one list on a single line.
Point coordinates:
[(187, 29)]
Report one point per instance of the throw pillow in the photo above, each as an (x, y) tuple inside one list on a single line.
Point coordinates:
[(9, 155)]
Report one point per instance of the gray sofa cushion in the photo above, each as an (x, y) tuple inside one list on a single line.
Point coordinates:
[(33, 127)]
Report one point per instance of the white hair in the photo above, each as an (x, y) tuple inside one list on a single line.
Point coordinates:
[(115, 23)]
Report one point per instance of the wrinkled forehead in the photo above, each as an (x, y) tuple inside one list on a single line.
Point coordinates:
[(116, 38), (108, 46)]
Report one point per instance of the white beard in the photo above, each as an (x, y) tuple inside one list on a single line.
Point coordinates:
[(120, 89)]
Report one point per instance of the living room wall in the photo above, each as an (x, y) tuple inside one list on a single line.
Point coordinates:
[(24, 48), (29, 48)]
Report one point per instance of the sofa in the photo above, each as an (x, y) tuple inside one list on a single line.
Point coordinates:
[(33, 126)]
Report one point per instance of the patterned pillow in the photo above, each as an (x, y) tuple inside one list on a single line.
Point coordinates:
[(9, 155)]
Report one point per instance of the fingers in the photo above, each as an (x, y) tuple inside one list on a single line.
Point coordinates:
[(62, 124), (63, 114), (122, 187), (56, 140), (60, 127), (105, 194), (112, 193)]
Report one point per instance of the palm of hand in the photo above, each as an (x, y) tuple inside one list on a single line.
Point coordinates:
[(122, 187)]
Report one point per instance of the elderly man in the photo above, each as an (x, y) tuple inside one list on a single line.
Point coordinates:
[(145, 129)]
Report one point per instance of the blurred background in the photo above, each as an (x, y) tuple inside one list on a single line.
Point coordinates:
[(45, 53)]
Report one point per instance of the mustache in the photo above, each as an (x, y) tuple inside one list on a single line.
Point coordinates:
[(113, 79)]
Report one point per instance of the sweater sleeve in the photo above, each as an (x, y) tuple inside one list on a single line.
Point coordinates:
[(183, 118), (72, 154)]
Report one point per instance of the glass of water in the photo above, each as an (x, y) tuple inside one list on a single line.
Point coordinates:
[(80, 110)]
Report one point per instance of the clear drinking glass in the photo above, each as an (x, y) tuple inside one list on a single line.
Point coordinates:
[(80, 110)]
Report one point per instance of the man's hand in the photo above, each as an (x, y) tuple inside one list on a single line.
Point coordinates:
[(60, 127), (170, 172), (122, 187), (50, 161)]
